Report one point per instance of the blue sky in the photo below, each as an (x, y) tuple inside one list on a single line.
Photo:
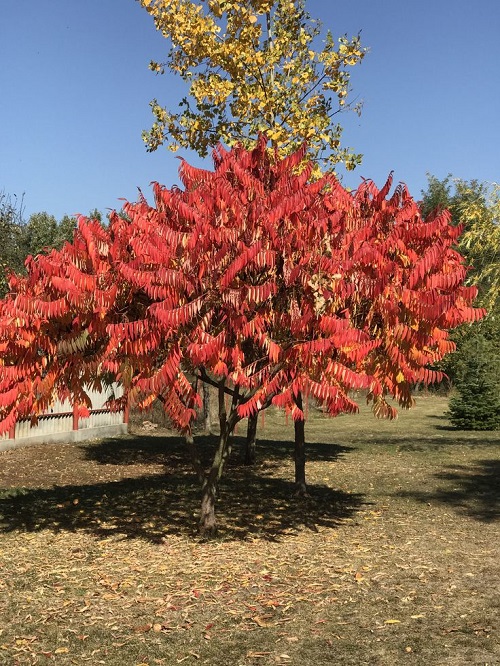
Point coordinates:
[(75, 91)]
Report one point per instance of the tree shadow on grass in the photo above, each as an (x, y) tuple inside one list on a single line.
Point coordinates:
[(273, 451), (487, 436), (445, 438), (252, 503), (472, 490), (170, 450)]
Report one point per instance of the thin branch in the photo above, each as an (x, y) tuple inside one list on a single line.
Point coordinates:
[(208, 380)]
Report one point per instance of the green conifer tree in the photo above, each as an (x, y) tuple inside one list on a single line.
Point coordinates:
[(476, 402)]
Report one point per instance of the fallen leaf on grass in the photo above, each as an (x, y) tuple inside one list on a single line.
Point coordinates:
[(191, 654), (257, 655), (262, 621), (392, 622), (143, 628)]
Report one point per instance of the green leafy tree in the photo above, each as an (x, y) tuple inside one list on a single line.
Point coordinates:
[(476, 206), (11, 238), (476, 402), (65, 230), (19, 239), (42, 232), (252, 67), (473, 369)]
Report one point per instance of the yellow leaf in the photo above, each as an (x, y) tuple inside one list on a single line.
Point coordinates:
[(61, 650), (392, 622)]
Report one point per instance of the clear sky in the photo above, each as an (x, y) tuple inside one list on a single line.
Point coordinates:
[(75, 90)]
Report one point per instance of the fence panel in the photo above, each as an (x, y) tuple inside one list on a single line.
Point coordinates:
[(61, 424)]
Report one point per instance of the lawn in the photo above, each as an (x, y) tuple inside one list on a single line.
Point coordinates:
[(393, 559)]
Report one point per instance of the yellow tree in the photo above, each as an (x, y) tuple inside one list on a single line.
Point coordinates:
[(473, 369), (478, 208), (253, 66)]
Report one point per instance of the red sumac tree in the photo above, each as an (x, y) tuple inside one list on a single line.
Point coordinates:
[(254, 278)]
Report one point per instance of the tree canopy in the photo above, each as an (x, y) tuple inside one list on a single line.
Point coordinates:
[(473, 371), (253, 67), (475, 404), (475, 206), (20, 238), (254, 278), (11, 231)]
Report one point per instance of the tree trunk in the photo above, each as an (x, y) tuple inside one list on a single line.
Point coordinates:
[(195, 458), (206, 408), (213, 410), (208, 521), (251, 439), (210, 409), (300, 453)]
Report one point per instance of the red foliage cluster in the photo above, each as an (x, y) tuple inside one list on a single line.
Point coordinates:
[(253, 276)]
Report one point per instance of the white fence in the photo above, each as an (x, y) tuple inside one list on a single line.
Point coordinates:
[(62, 424)]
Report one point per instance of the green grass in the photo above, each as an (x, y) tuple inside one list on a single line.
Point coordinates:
[(393, 559)]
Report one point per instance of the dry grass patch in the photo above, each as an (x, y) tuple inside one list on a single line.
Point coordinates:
[(393, 559)]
